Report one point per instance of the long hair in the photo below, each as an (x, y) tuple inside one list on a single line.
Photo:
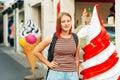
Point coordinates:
[(58, 24)]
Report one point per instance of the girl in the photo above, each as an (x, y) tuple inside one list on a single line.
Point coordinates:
[(65, 64)]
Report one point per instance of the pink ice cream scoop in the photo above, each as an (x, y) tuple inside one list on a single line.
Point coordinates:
[(31, 39)]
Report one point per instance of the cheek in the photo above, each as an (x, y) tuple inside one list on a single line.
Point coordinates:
[(70, 23), (66, 27), (62, 24), (66, 24)]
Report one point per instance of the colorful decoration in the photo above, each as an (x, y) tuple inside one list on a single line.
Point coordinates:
[(22, 42), (58, 7), (30, 36), (101, 61)]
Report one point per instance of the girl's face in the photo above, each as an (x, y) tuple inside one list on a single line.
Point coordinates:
[(66, 23)]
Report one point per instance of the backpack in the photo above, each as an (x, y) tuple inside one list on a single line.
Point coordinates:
[(52, 45)]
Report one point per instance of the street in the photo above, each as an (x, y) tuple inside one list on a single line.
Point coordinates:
[(10, 69), (13, 66)]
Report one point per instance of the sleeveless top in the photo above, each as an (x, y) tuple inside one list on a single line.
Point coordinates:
[(64, 54)]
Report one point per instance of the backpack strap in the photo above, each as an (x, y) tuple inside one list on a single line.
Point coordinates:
[(51, 51), (75, 38), (51, 48)]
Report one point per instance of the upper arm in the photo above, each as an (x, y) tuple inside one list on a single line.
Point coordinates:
[(43, 44), (78, 50)]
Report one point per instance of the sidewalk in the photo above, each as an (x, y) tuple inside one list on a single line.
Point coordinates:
[(21, 59)]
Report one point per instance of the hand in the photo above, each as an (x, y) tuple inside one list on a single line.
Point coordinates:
[(53, 64)]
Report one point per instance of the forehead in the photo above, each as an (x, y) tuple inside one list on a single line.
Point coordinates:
[(65, 17)]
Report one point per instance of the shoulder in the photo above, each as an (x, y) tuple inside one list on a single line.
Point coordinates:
[(75, 35), (48, 39), (45, 41), (77, 39)]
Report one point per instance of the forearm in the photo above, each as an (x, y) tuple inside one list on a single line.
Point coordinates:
[(78, 57), (77, 65), (42, 58), (77, 60)]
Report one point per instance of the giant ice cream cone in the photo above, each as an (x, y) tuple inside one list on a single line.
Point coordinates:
[(28, 48), (30, 37), (101, 60)]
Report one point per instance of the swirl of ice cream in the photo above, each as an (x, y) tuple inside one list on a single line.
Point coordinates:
[(101, 61), (30, 32), (30, 28)]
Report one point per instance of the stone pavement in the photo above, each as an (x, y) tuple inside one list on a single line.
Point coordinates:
[(14, 66)]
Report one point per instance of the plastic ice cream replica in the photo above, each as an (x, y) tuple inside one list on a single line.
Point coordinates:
[(100, 59), (29, 38)]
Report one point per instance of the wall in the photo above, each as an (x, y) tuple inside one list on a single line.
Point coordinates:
[(35, 2), (1, 31), (103, 10), (117, 25), (1, 23), (68, 6)]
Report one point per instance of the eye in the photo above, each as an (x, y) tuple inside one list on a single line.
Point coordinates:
[(62, 21), (68, 20)]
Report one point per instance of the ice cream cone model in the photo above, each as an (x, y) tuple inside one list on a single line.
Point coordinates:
[(30, 37), (100, 59)]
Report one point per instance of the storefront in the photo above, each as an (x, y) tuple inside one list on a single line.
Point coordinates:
[(12, 16)]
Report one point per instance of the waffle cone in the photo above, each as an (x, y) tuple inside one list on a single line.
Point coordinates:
[(28, 49)]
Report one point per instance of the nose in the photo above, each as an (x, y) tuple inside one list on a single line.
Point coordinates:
[(66, 22)]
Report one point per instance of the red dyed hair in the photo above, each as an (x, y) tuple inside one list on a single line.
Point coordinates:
[(58, 24)]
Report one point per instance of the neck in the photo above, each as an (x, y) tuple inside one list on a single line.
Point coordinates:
[(65, 34)]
